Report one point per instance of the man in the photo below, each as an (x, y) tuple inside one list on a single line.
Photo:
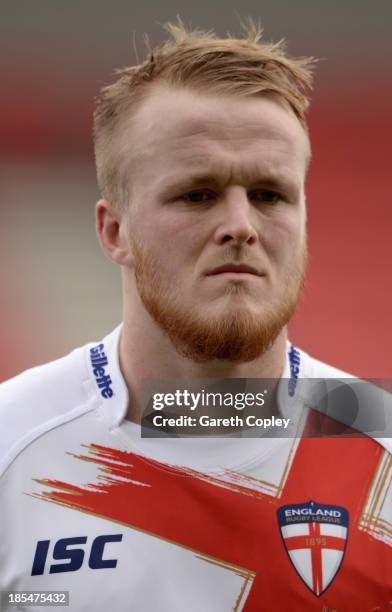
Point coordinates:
[(202, 153)]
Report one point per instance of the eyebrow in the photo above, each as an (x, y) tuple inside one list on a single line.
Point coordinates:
[(270, 180)]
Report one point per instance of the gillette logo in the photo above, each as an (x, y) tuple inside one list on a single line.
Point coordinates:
[(295, 363), (99, 361)]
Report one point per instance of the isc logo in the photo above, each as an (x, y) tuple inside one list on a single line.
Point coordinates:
[(74, 557)]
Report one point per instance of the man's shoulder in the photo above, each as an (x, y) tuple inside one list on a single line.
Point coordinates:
[(314, 368), (42, 398), (365, 404), (48, 382)]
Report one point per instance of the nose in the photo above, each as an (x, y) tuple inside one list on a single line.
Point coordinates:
[(235, 222)]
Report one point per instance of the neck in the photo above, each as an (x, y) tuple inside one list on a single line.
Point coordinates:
[(146, 353)]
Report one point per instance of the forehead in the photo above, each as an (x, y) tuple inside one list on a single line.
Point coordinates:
[(177, 130)]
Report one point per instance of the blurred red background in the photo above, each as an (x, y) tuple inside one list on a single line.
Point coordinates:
[(56, 289)]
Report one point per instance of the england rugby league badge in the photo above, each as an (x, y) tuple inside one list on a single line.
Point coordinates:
[(315, 538)]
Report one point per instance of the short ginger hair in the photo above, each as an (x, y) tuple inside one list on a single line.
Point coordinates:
[(202, 62)]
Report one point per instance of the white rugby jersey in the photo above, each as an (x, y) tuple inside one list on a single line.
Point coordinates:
[(173, 525)]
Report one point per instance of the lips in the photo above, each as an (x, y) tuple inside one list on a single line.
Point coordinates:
[(235, 268)]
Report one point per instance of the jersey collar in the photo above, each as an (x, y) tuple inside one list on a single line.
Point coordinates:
[(104, 365)]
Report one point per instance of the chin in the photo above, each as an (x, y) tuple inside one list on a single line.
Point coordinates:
[(242, 302)]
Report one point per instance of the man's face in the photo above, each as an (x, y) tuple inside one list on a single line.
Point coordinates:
[(217, 219)]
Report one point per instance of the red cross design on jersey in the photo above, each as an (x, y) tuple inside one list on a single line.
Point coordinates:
[(238, 525)]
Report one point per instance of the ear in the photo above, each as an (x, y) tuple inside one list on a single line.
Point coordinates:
[(110, 228)]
